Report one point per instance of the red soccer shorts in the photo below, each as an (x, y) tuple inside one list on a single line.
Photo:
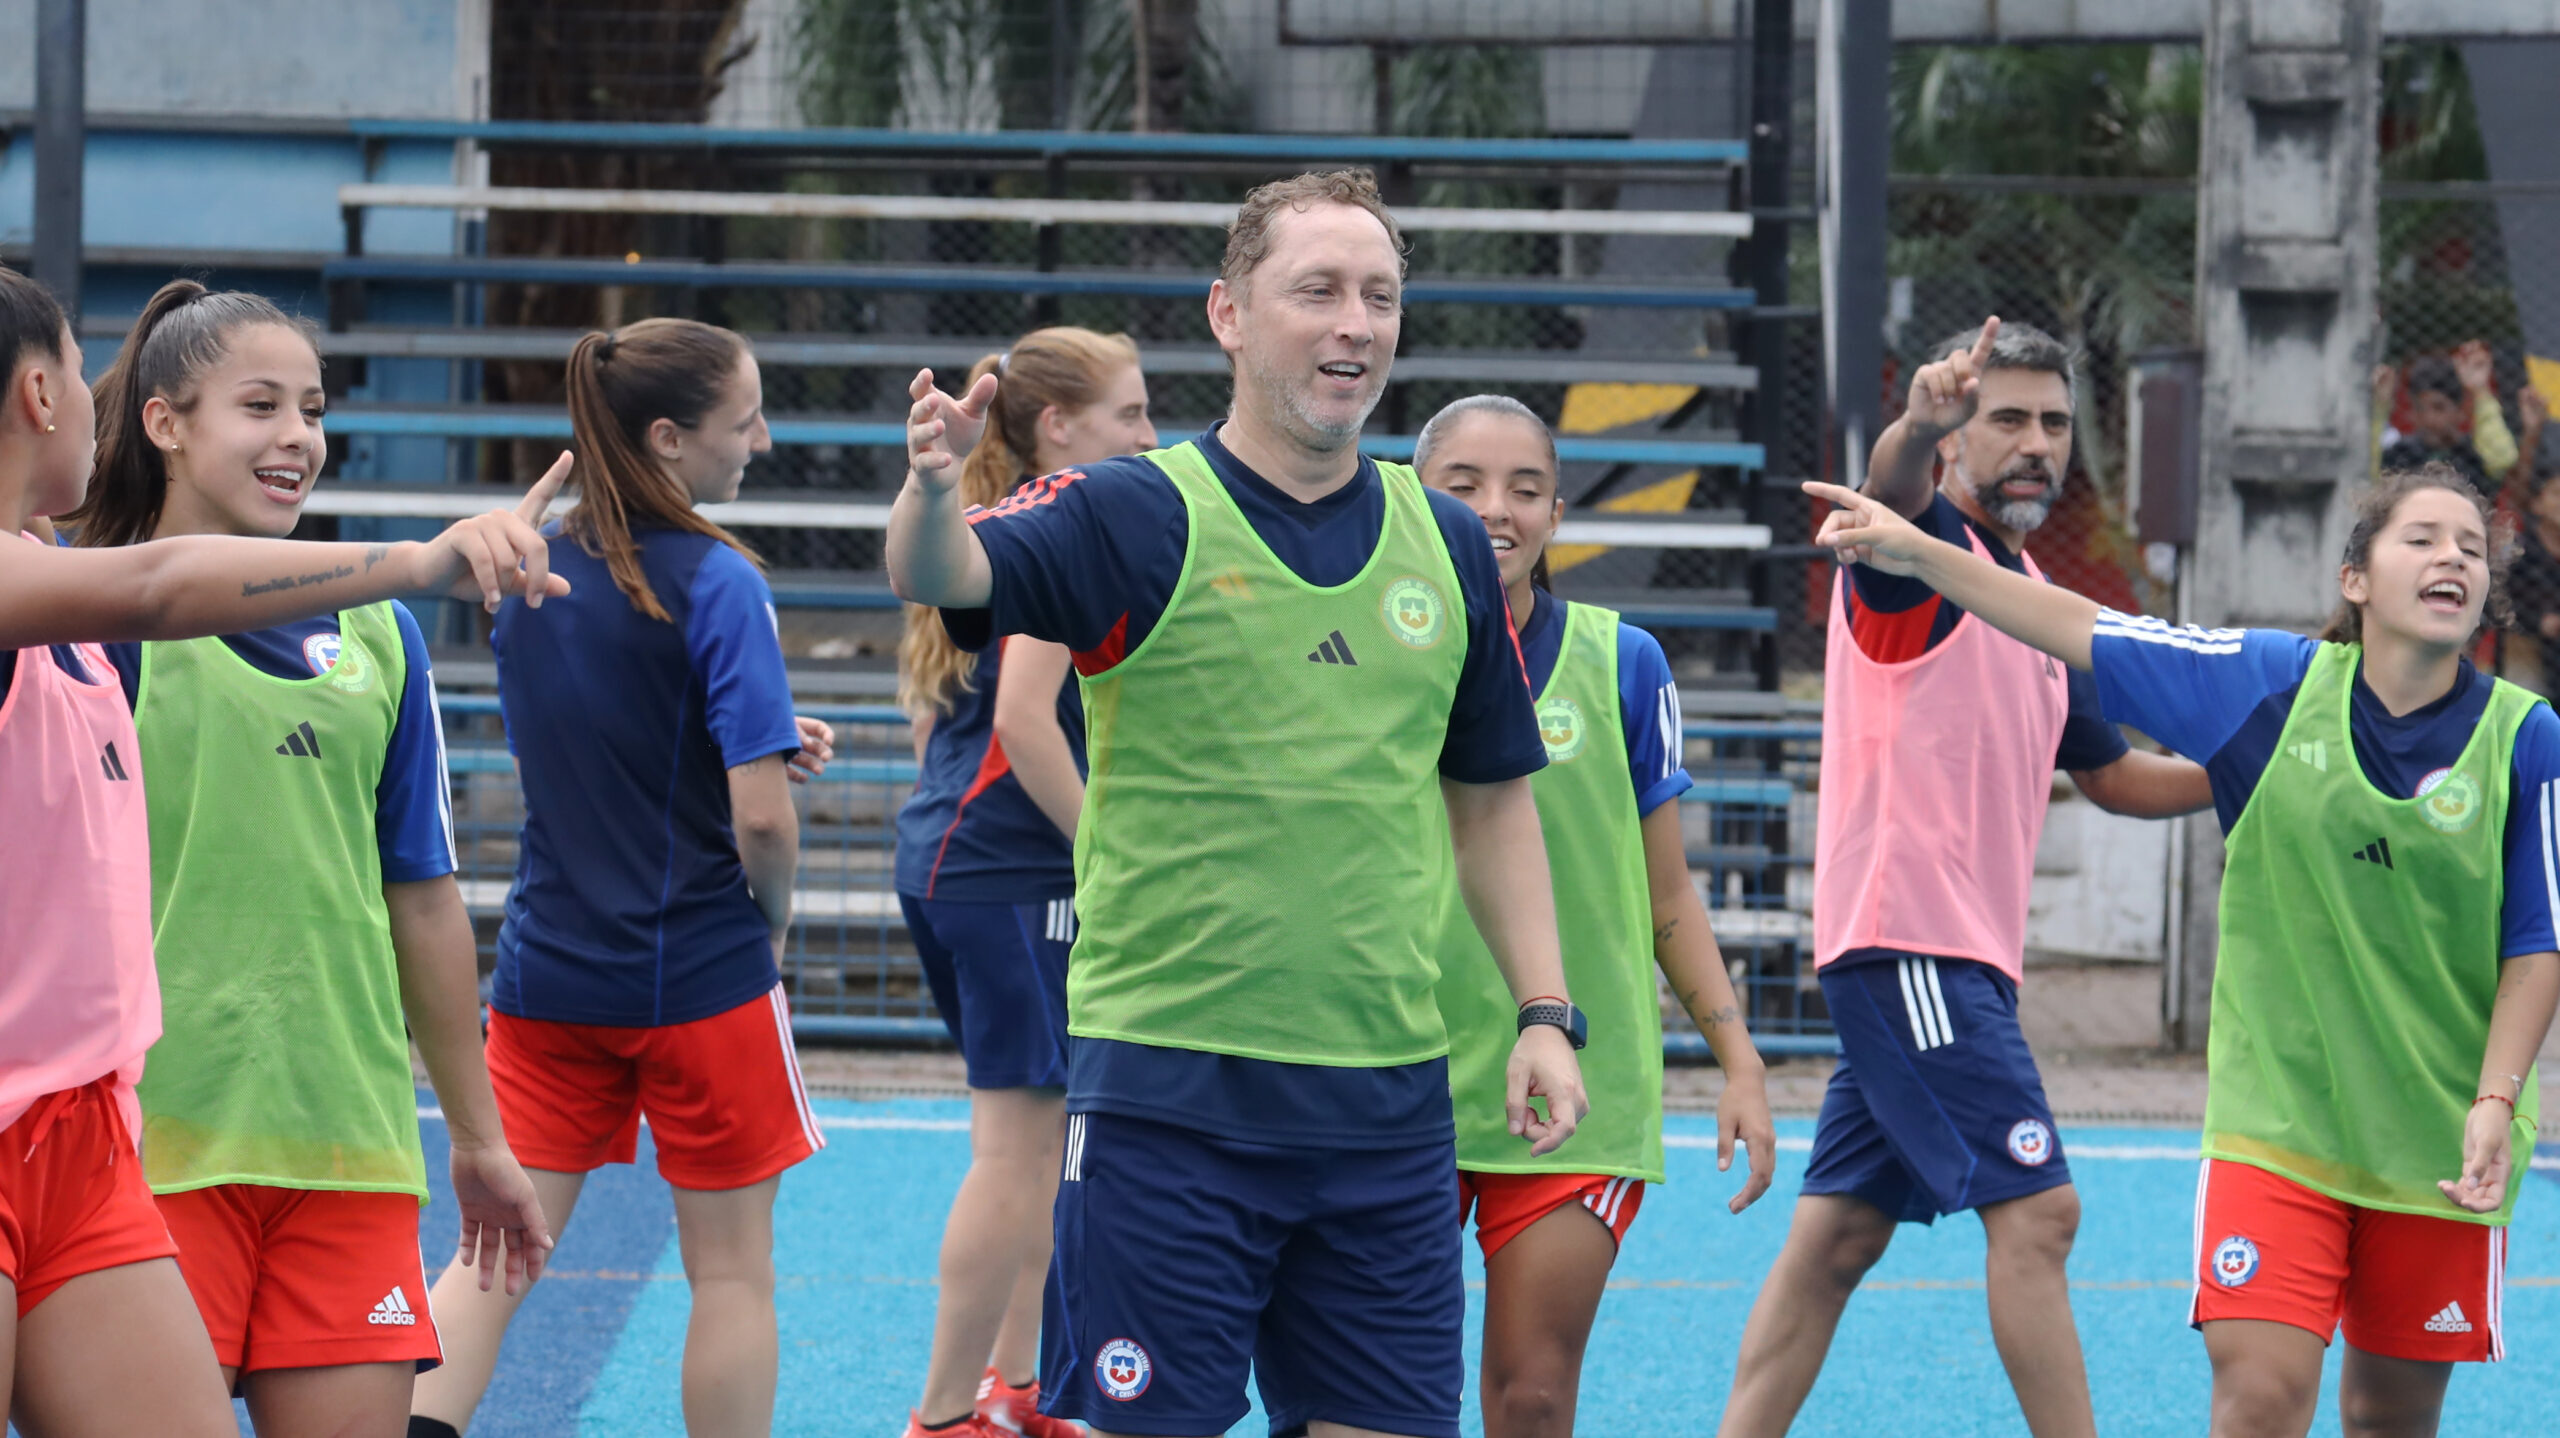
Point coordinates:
[(723, 1095), (72, 1198), (1505, 1204), (2432, 1290), (304, 1278)]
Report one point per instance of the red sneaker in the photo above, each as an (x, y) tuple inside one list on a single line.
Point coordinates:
[(1009, 1410), (973, 1426)]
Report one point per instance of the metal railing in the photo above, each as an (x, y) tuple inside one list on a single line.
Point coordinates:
[(851, 967)]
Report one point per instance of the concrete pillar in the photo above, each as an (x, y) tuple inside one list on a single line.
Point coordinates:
[(2285, 276)]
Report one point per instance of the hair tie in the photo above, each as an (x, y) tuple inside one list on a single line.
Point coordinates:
[(1004, 362), (605, 351)]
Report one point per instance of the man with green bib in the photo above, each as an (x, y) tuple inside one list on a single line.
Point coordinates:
[(2386, 970), (1306, 715)]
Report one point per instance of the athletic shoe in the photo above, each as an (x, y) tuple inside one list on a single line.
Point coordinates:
[(1012, 1410), (973, 1426)]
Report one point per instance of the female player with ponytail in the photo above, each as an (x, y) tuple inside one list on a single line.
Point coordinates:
[(280, 1129), (1607, 799), (986, 875), (2386, 969), (97, 1332), (637, 971)]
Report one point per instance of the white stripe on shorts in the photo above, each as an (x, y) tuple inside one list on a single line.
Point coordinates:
[(2195, 1291), (1924, 1003), (1075, 1148), (791, 1070), (2497, 1304)]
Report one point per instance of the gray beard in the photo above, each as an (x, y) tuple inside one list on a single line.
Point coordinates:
[(2021, 515)]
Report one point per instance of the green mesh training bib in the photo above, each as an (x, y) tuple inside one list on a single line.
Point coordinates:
[(2359, 961), (284, 1060), (1604, 915), (1264, 849)]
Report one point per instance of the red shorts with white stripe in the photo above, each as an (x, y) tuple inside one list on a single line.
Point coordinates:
[(723, 1096), (2405, 1285), (304, 1278), (1505, 1204)]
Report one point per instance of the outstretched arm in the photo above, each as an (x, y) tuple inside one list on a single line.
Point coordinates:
[(216, 584), (2039, 615), (932, 556), (1502, 874)]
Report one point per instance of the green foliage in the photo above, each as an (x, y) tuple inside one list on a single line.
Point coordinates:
[(2111, 110)]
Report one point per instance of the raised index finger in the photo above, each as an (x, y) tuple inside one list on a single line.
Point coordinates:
[(1982, 344), (1845, 498), (537, 500)]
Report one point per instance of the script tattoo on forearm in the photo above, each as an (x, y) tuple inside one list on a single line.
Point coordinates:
[(374, 554), (1662, 932), (296, 581), (1726, 1015)]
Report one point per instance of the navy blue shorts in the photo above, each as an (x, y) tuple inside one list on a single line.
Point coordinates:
[(999, 975), (1186, 1260), (1936, 1106)]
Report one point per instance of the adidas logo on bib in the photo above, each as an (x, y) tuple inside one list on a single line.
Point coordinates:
[(394, 1312), (2449, 1321)]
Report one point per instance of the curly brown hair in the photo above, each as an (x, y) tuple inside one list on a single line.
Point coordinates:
[(2374, 509), (1249, 238)]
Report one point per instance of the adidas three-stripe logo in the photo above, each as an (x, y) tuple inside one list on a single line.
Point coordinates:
[(2449, 1321), (1925, 1004), (2377, 852), (1074, 1169), (393, 1312), (301, 743), (1334, 650), (114, 766)]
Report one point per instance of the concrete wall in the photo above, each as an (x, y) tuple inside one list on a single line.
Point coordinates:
[(276, 59), (2101, 885)]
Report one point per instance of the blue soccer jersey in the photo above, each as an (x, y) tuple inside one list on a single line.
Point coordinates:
[(1089, 558), (971, 833), (2221, 697), (630, 905), (413, 801)]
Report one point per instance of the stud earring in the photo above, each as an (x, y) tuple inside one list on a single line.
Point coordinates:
[(48, 429)]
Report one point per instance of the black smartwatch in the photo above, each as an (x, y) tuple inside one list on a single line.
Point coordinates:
[(1577, 1030)]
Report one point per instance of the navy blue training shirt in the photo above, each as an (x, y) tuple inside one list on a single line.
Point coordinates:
[(971, 833), (630, 906), (1089, 558), (1896, 618)]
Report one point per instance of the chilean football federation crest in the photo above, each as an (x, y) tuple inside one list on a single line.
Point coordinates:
[(2030, 1142), (1560, 726), (342, 658), (1122, 1370), (2235, 1261), (1414, 611)]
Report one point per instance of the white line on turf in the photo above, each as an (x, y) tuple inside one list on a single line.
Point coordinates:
[(2171, 1153)]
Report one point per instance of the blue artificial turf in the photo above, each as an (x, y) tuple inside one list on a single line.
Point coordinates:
[(595, 1352)]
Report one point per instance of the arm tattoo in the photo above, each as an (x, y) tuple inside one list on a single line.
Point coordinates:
[(1662, 932), (1726, 1015), (374, 554), (296, 581)]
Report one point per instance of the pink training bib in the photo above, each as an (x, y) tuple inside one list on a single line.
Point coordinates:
[(78, 996), (1935, 775)]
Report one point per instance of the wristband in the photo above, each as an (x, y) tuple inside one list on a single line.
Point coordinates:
[(2495, 1098)]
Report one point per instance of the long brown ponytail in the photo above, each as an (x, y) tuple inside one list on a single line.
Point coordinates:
[(619, 385), (185, 330), (1063, 366)]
